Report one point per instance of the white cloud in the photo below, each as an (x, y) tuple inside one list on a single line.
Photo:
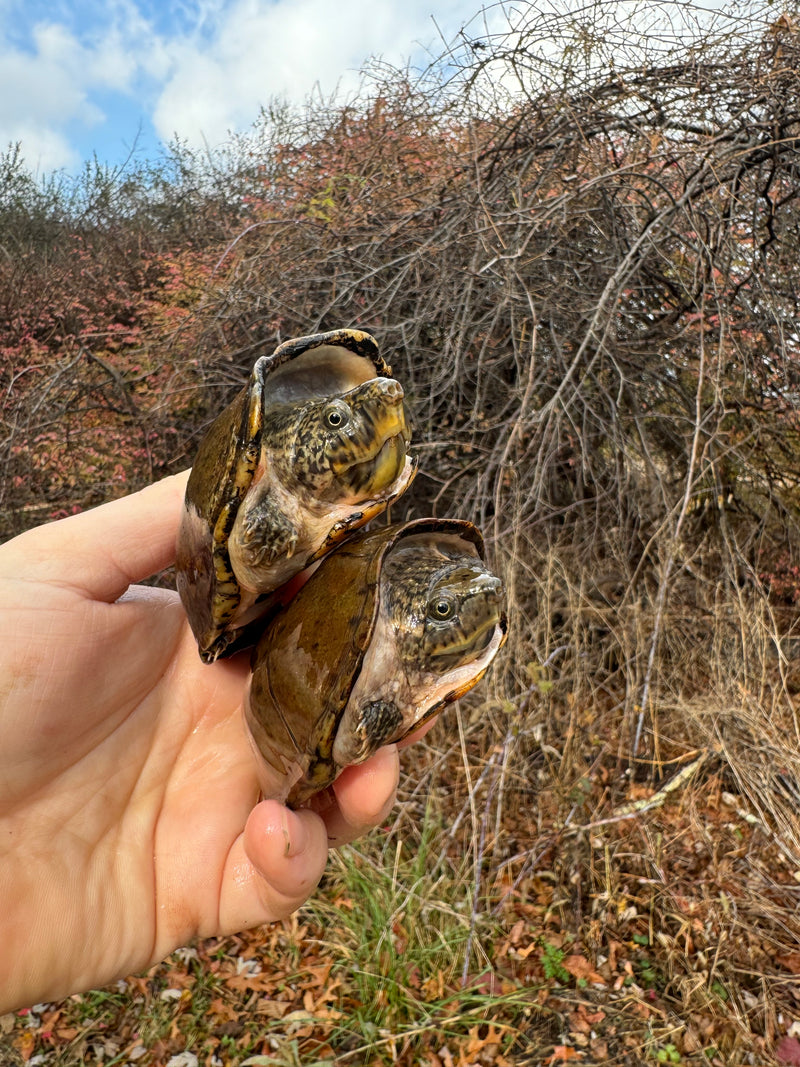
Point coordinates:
[(261, 49), (200, 68), (203, 68), (44, 149), (39, 92), (48, 84)]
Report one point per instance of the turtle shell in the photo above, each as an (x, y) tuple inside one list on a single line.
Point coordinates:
[(221, 605), (309, 659)]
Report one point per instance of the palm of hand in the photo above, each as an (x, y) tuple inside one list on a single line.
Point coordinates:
[(127, 787)]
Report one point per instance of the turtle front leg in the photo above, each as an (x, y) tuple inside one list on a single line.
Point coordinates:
[(266, 534), (262, 538), (378, 723)]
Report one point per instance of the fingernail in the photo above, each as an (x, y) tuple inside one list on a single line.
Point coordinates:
[(294, 833)]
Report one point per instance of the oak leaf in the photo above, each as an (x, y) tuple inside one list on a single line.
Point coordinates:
[(562, 1053), (579, 967)]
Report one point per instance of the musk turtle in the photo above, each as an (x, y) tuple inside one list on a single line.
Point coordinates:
[(314, 446), (394, 624)]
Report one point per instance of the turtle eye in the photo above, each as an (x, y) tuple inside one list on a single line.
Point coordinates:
[(337, 416), (441, 608)]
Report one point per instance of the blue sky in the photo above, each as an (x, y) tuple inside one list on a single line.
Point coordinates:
[(98, 76), (84, 77)]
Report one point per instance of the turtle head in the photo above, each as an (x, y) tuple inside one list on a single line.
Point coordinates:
[(464, 606), (351, 446), (440, 622), (445, 608)]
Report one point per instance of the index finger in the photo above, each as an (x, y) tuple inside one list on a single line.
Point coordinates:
[(102, 551), (360, 798)]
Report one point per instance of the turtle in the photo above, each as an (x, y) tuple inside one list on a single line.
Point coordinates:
[(393, 625), (314, 446)]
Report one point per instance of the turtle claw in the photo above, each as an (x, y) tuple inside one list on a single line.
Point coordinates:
[(378, 722)]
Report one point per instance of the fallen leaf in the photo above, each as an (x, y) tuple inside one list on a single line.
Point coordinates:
[(273, 1009), (583, 1021), (487, 982), (478, 1043), (523, 953), (67, 1033), (517, 930), (579, 967), (562, 1053), (446, 1056), (25, 1043)]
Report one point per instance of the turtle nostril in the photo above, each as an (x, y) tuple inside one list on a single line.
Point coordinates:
[(392, 388)]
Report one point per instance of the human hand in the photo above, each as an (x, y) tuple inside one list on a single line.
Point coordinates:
[(129, 813)]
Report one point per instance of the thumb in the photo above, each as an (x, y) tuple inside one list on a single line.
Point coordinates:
[(273, 867)]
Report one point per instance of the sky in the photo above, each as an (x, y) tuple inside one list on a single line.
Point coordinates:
[(84, 77)]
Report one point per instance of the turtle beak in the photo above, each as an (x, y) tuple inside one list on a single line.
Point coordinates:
[(387, 465), (378, 438), (380, 414)]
